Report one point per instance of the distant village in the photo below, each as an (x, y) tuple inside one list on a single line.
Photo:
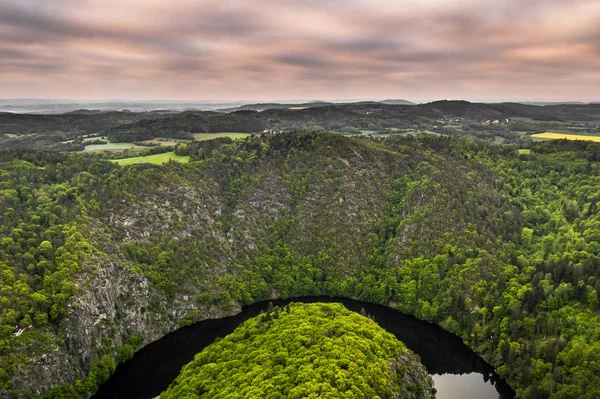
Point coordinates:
[(484, 123), (497, 122)]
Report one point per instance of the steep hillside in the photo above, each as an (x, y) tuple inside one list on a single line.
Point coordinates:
[(499, 248)]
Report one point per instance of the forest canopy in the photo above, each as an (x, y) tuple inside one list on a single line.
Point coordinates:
[(304, 351), (500, 248)]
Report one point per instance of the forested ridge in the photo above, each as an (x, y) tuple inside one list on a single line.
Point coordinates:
[(498, 123), (305, 351), (499, 248)]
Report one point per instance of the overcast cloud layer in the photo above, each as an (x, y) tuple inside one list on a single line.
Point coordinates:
[(422, 50)]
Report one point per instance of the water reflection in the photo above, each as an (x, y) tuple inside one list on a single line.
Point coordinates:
[(465, 386)]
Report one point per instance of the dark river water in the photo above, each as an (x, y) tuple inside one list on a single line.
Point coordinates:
[(458, 372)]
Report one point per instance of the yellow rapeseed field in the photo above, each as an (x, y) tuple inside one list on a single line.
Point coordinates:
[(548, 135)]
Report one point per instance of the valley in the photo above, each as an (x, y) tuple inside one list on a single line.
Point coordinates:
[(498, 247), (299, 199)]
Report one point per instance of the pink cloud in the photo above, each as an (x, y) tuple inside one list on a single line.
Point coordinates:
[(420, 50)]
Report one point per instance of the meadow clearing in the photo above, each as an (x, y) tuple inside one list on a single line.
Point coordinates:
[(538, 121), (156, 159), (210, 136), (112, 147), (127, 146)]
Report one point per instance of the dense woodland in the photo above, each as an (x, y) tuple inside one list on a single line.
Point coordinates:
[(304, 351), (42, 132), (499, 248)]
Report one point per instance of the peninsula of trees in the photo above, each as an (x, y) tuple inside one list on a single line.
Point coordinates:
[(305, 351)]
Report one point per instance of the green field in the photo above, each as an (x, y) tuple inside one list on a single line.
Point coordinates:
[(419, 132), (95, 138), (112, 147), (155, 159), (523, 119), (395, 132), (531, 120), (160, 141), (170, 139), (524, 151), (210, 136)]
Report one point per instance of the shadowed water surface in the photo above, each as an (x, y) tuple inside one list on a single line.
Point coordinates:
[(458, 372)]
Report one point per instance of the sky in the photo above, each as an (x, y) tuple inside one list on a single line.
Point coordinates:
[(230, 50)]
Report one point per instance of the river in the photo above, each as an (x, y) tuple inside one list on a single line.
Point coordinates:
[(458, 372)]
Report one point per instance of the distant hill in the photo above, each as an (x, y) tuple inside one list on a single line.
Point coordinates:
[(86, 111), (368, 117), (265, 106), (310, 104), (34, 106), (544, 103), (397, 102)]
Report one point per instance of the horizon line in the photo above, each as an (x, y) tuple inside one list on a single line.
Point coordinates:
[(285, 101)]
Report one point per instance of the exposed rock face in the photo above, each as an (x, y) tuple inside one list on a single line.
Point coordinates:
[(176, 210), (110, 306), (416, 382)]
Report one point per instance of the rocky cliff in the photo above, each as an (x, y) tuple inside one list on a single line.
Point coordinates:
[(113, 304)]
